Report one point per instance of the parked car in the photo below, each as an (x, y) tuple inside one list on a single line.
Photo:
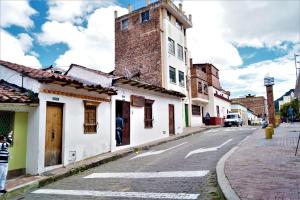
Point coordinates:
[(233, 119)]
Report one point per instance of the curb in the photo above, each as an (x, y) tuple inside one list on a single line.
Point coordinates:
[(18, 190), (223, 182)]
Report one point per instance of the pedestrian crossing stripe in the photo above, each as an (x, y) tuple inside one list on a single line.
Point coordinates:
[(136, 175), (139, 195)]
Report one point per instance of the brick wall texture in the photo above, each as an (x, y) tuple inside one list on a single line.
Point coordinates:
[(257, 104), (138, 49), (271, 107), (198, 75)]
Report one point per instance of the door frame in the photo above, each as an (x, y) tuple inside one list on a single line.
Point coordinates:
[(186, 113), (173, 108), (129, 123), (61, 105)]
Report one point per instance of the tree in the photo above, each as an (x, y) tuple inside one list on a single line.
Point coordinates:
[(294, 104)]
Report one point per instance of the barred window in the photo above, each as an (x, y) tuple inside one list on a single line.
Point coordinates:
[(90, 117), (145, 16), (196, 110), (205, 88), (124, 24), (171, 46), (6, 122), (181, 78), (180, 51), (148, 114), (199, 87), (172, 74)]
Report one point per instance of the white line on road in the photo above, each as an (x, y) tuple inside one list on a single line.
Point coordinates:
[(140, 195), (134, 175), (150, 153), (202, 150)]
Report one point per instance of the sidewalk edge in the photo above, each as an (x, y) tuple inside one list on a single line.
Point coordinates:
[(223, 182), (19, 190)]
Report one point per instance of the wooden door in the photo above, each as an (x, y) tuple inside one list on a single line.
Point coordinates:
[(171, 120), (126, 117), (53, 140)]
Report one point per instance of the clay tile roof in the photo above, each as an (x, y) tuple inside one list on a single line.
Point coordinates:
[(10, 93), (49, 77)]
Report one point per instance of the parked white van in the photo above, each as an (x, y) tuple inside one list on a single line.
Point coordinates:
[(233, 119)]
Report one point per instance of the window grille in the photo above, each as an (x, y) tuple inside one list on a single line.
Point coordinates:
[(6, 122)]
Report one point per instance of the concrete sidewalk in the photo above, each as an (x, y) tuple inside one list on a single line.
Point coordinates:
[(23, 184), (266, 169)]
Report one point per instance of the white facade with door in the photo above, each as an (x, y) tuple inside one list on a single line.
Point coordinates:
[(76, 145)]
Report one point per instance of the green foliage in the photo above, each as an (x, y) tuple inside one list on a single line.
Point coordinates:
[(295, 105)]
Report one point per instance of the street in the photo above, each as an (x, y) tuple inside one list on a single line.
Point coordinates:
[(181, 169)]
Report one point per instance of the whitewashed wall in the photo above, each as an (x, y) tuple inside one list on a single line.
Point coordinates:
[(215, 101), (160, 110)]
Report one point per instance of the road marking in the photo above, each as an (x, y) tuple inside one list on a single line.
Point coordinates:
[(135, 175), (150, 153), (140, 195), (202, 150)]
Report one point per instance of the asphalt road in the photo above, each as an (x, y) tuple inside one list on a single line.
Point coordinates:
[(181, 169)]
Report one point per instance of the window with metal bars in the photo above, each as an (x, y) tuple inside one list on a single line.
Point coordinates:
[(148, 113), (90, 119), (6, 122)]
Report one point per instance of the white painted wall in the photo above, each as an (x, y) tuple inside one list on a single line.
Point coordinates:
[(170, 30), (139, 134), (215, 101)]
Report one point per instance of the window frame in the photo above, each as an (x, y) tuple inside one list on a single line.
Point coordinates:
[(11, 121), (196, 110), (199, 87), (148, 114), (122, 23), (180, 52), (171, 49), (178, 24), (183, 81), (169, 16), (173, 70), (143, 14), (90, 108), (205, 88)]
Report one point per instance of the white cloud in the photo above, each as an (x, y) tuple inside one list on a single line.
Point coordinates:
[(13, 50), (263, 23), (92, 46), (74, 11), (205, 39), (241, 81), (16, 13), (25, 41)]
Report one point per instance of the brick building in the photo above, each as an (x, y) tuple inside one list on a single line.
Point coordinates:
[(208, 95), (151, 47), (257, 104)]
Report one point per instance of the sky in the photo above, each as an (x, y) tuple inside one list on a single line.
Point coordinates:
[(245, 40)]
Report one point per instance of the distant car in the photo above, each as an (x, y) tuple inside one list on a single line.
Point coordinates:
[(233, 119), (264, 124)]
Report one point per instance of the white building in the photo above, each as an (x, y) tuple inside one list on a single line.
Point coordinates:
[(150, 112), (242, 109), (71, 122), (286, 99)]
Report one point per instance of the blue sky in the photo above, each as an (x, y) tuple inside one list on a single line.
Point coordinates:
[(243, 39)]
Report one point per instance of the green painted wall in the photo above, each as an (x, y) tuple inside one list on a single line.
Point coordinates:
[(18, 150)]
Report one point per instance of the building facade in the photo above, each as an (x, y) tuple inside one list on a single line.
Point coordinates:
[(257, 104), (151, 46), (207, 95)]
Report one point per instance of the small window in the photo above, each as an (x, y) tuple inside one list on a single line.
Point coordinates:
[(181, 78), (178, 25), (172, 74), (169, 16), (90, 118), (124, 24), (148, 119), (6, 122), (180, 51), (218, 110), (171, 46), (145, 16), (205, 88), (196, 110), (199, 87)]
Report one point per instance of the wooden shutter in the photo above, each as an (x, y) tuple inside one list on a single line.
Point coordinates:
[(148, 118), (90, 116)]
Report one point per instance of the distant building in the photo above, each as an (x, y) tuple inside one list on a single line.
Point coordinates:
[(242, 109), (208, 95), (257, 104), (286, 98)]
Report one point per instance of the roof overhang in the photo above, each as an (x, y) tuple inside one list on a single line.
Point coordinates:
[(145, 86), (199, 100)]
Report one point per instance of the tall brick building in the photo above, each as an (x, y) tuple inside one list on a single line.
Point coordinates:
[(150, 45), (257, 104), (207, 95)]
